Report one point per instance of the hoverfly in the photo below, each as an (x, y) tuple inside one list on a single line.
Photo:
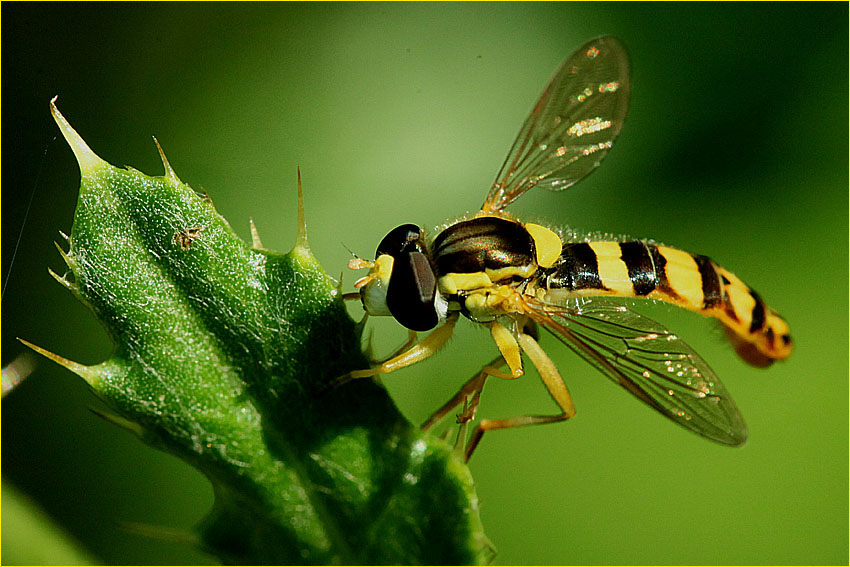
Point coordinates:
[(514, 277)]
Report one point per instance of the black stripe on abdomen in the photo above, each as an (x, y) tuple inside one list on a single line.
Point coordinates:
[(576, 269), (660, 264), (758, 315), (642, 273), (711, 292)]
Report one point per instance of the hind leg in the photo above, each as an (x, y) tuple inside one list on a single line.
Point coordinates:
[(553, 382)]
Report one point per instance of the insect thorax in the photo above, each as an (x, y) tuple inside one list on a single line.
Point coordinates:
[(475, 260)]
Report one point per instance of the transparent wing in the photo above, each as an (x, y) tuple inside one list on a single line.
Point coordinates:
[(646, 359), (571, 127)]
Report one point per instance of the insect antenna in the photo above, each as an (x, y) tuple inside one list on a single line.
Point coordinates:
[(350, 251)]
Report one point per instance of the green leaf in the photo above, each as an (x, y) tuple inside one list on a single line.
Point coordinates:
[(223, 356)]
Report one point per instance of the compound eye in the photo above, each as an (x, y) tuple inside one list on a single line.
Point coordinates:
[(412, 291), (404, 238)]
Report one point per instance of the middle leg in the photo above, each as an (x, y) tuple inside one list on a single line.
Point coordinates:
[(471, 390)]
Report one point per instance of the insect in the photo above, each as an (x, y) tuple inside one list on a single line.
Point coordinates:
[(184, 238), (514, 277)]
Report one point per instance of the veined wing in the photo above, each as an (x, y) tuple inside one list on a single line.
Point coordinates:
[(571, 127), (649, 361)]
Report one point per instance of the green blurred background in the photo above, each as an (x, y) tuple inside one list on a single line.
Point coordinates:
[(735, 147)]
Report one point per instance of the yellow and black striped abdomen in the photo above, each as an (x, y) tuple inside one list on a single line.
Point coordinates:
[(640, 269)]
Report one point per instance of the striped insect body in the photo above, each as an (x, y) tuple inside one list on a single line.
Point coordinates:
[(515, 277)]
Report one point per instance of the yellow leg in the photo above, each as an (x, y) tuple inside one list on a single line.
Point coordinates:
[(511, 356), (553, 382), (470, 392), (549, 374), (508, 347), (427, 347), (411, 340)]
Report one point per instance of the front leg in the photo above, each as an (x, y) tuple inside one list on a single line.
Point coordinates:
[(427, 347), (411, 340)]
